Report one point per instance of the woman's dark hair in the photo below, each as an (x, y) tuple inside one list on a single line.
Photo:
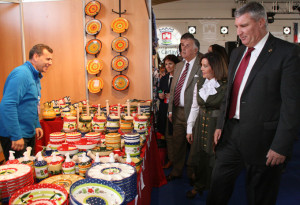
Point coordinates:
[(217, 64), (221, 51), (172, 58)]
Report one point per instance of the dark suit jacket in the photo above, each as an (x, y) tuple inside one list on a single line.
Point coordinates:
[(194, 76), (270, 102)]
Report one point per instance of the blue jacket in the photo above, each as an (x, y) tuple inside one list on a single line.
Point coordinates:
[(19, 105)]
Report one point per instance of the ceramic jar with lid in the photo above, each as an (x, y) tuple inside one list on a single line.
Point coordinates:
[(85, 123), (48, 112), (98, 123), (70, 124)]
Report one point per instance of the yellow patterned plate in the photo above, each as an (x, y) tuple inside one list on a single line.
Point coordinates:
[(95, 85), (120, 44), (93, 27), (120, 82), (119, 25), (119, 63), (93, 47), (92, 8), (94, 66), (64, 180)]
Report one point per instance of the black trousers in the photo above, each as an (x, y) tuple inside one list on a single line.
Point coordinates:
[(262, 182), (6, 146)]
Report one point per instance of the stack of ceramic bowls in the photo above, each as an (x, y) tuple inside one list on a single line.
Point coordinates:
[(113, 140), (132, 144), (56, 139), (140, 123), (112, 124), (122, 175), (73, 137), (93, 136), (41, 194), (12, 178), (95, 191), (126, 125)]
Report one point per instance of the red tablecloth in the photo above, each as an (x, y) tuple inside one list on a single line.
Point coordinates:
[(150, 175)]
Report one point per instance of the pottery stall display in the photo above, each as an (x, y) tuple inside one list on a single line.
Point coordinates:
[(48, 112)]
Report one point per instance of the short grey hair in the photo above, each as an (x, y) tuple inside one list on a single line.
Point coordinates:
[(255, 9)]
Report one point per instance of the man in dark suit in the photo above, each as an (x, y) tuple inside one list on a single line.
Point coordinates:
[(260, 114), (186, 75)]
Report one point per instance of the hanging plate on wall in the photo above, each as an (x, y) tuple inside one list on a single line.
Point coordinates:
[(92, 8), (119, 25), (95, 85), (119, 63), (93, 46), (120, 82), (94, 66), (93, 27), (120, 44)]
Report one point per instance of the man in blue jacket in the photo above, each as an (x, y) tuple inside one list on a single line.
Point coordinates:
[(19, 119)]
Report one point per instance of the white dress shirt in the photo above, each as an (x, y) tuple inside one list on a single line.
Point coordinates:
[(254, 55)]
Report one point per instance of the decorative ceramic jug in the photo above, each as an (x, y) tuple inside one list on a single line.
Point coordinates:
[(48, 113), (85, 123), (70, 124), (98, 123)]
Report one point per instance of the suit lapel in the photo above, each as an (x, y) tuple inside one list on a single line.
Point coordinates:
[(194, 70), (262, 58)]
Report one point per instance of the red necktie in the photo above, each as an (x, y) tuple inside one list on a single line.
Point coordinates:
[(180, 84), (237, 82)]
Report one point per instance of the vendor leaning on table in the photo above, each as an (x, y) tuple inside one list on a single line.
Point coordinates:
[(19, 120)]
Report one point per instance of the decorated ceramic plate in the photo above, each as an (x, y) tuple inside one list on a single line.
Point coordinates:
[(96, 191), (40, 194), (119, 25), (95, 85), (120, 82), (86, 144), (92, 8), (119, 63), (94, 66), (93, 47), (14, 171), (93, 27), (64, 180), (120, 44)]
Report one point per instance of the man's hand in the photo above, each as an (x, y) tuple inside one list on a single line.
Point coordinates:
[(273, 158), (217, 135), (39, 133), (189, 138), (170, 117), (17, 145)]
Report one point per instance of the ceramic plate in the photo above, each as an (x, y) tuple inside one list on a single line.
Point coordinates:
[(89, 144), (64, 180), (38, 193), (119, 25), (95, 85), (93, 47), (120, 82), (94, 66), (120, 44), (14, 171), (72, 150), (119, 63), (93, 27), (92, 8), (96, 191)]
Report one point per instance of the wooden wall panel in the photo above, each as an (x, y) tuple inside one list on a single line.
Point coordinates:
[(60, 24), (10, 41)]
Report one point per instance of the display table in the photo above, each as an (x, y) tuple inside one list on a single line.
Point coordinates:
[(150, 175)]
